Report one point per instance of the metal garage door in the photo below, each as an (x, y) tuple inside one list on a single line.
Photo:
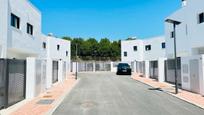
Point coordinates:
[(153, 70), (142, 67), (170, 71), (55, 72), (194, 75), (16, 81), (2, 83)]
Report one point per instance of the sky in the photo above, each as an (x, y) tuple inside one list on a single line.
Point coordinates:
[(113, 19)]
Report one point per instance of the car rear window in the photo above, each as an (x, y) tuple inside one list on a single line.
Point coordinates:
[(123, 65)]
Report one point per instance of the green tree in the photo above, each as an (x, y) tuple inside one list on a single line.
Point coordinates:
[(104, 48), (76, 42), (115, 51), (91, 49), (67, 38)]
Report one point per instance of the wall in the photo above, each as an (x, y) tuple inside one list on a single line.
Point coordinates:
[(141, 54), (53, 53), (127, 46), (18, 40), (3, 27), (189, 32), (156, 51)]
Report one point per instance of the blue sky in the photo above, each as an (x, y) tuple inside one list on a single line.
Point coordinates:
[(114, 19)]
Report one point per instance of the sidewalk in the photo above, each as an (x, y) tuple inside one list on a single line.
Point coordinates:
[(45, 103), (193, 98)]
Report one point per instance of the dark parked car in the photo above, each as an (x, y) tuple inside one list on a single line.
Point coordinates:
[(124, 69)]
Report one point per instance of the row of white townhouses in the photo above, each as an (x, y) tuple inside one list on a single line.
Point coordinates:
[(154, 57), (30, 62)]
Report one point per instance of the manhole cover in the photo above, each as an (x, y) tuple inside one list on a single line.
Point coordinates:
[(88, 104), (45, 102), (47, 96)]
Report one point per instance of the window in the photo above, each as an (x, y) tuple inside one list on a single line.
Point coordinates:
[(201, 18), (58, 47), (135, 48), (163, 45), (66, 53), (125, 54), (29, 29), (44, 45), (172, 34), (148, 47), (15, 21)]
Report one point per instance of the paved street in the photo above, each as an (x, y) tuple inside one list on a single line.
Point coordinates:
[(108, 94)]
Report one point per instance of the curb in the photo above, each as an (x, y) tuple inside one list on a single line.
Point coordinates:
[(59, 101), (165, 91)]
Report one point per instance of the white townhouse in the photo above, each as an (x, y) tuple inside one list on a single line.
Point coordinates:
[(189, 42), (20, 29), (57, 52), (146, 56), (143, 49), (30, 62)]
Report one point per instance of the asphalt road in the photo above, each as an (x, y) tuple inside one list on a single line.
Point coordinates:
[(108, 94)]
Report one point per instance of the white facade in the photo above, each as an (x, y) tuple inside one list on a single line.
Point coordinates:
[(141, 54), (156, 51), (132, 55), (189, 34), (190, 43), (21, 38), (16, 42), (57, 48)]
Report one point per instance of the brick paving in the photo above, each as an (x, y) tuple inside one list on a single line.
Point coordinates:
[(55, 93), (190, 97)]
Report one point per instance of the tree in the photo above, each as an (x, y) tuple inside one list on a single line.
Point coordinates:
[(76, 42), (67, 38), (91, 49), (115, 51), (133, 38), (104, 48)]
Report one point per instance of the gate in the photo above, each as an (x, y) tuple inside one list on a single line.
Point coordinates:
[(16, 78), (40, 80), (140, 67), (194, 76), (133, 66), (92, 66), (85, 66), (103, 66), (170, 71), (55, 71), (153, 70), (64, 70)]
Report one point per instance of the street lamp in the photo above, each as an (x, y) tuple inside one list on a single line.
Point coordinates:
[(175, 23), (76, 60)]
